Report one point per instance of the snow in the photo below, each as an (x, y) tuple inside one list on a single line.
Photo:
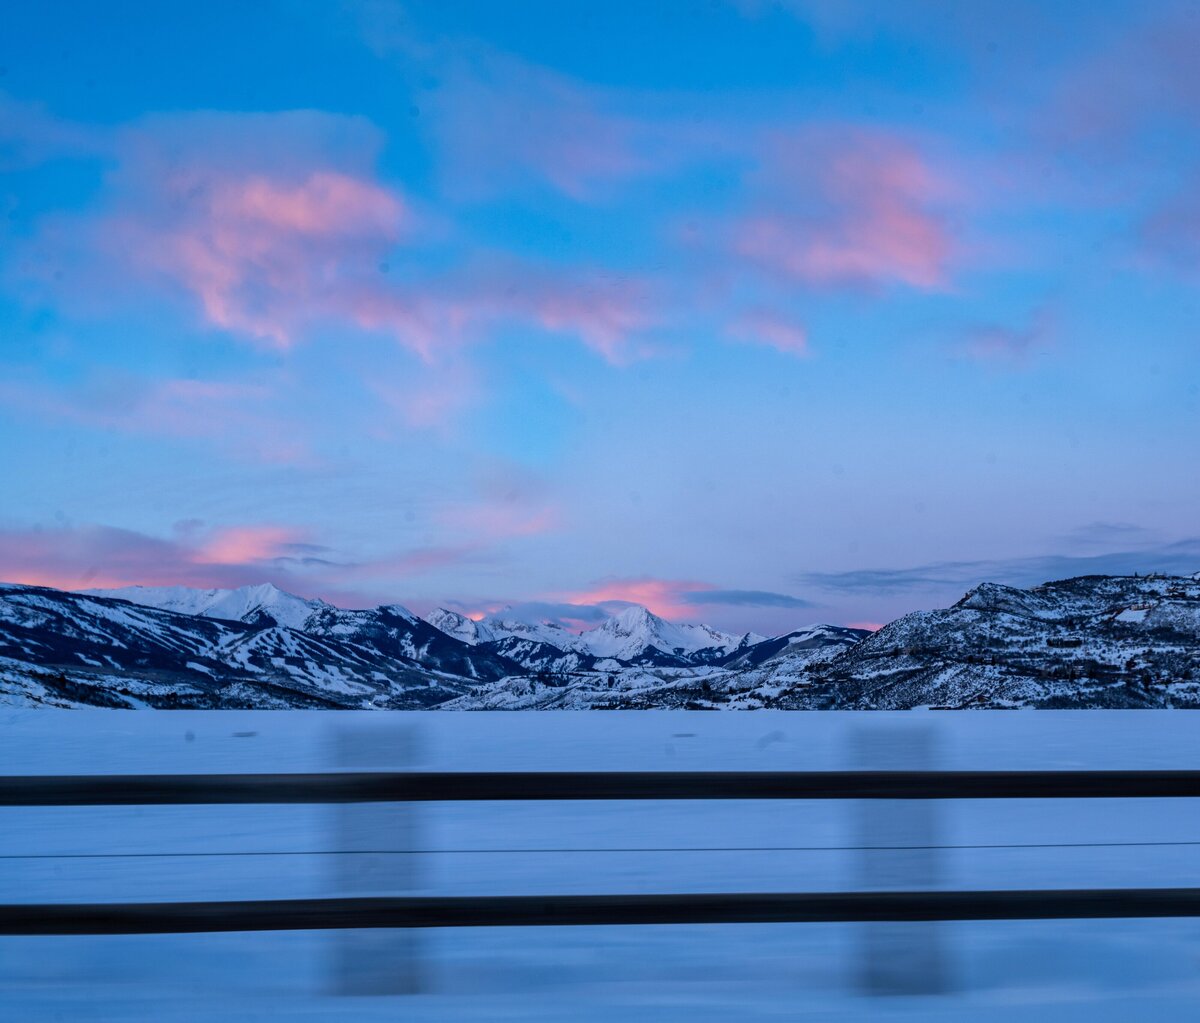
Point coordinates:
[(623, 636), (230, 605), (460, 627), (1053, 970), (504, 623), (628, 633), (1133, 614)]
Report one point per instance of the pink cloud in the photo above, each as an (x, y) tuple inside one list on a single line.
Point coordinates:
[(851, 207), (277, 228), (766, 328), (102, 556), (265, 256), (240, 545), (662, 596), (501, 520)]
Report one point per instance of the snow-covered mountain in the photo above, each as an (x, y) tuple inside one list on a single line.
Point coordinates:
[(633, 635), (1094, 641), (245, 604), (636, 633), (466, 630), (1089, 642), (260, 646), (87, 648)]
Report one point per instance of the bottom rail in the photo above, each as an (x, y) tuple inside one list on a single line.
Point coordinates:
[(574, 910)]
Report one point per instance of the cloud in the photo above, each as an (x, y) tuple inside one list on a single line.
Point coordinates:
[(766, 328), (569, 616), (241, 418), (103, 556), (98, 556), (665, 597), (744, 598), (850, 206), (266, 256), (1011, 345), (502, 122), (1109, 534), (669, 599), (1143, 81), (1170, 236), (1179, 558), (499, 520), (31, 135), (276, 229)]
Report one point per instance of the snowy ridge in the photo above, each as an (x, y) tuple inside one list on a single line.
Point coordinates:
[(629, 634), (462, 628), (1092, 641), (245, 604)]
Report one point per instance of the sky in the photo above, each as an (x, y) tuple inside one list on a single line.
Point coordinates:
[(754, 313)]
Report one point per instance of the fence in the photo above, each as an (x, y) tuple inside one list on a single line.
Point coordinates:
[(558, 910)]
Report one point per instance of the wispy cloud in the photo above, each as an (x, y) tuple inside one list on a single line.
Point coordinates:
[(850, 206), (762, 327), (1143, 81), (240, 418), (1181, 557), (1014, 346), (744, 598), (277, 228), (103, 556), (665, 597)]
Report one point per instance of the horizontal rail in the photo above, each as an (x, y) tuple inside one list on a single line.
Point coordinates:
[(374, 787), (570, 910)]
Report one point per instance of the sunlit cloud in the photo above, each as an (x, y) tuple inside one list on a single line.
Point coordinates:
[(665, 597), (501, 520), (264, 256), (853, 207), (277, 229), (74, 557), (243, 545)]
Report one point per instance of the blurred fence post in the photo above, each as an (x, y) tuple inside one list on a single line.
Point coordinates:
[(377, 845), (897, 840)]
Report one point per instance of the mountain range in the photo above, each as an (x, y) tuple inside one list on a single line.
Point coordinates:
[(1093, 641)]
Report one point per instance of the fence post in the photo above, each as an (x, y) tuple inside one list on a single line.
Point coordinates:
[(896, 840), (377, 845)]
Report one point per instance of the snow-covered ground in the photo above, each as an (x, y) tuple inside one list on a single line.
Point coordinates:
[(1065, 970)]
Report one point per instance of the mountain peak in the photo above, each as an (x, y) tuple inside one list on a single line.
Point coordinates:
[(244, 604), (459, 626)]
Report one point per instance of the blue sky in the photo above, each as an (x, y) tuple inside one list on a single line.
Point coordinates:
[(756, 313)]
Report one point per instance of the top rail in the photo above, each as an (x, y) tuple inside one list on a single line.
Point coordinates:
[(449, 786)]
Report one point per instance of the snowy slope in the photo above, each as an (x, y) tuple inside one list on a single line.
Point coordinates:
[(635, 630), (245, 604), (63, 648), (462, 628)]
